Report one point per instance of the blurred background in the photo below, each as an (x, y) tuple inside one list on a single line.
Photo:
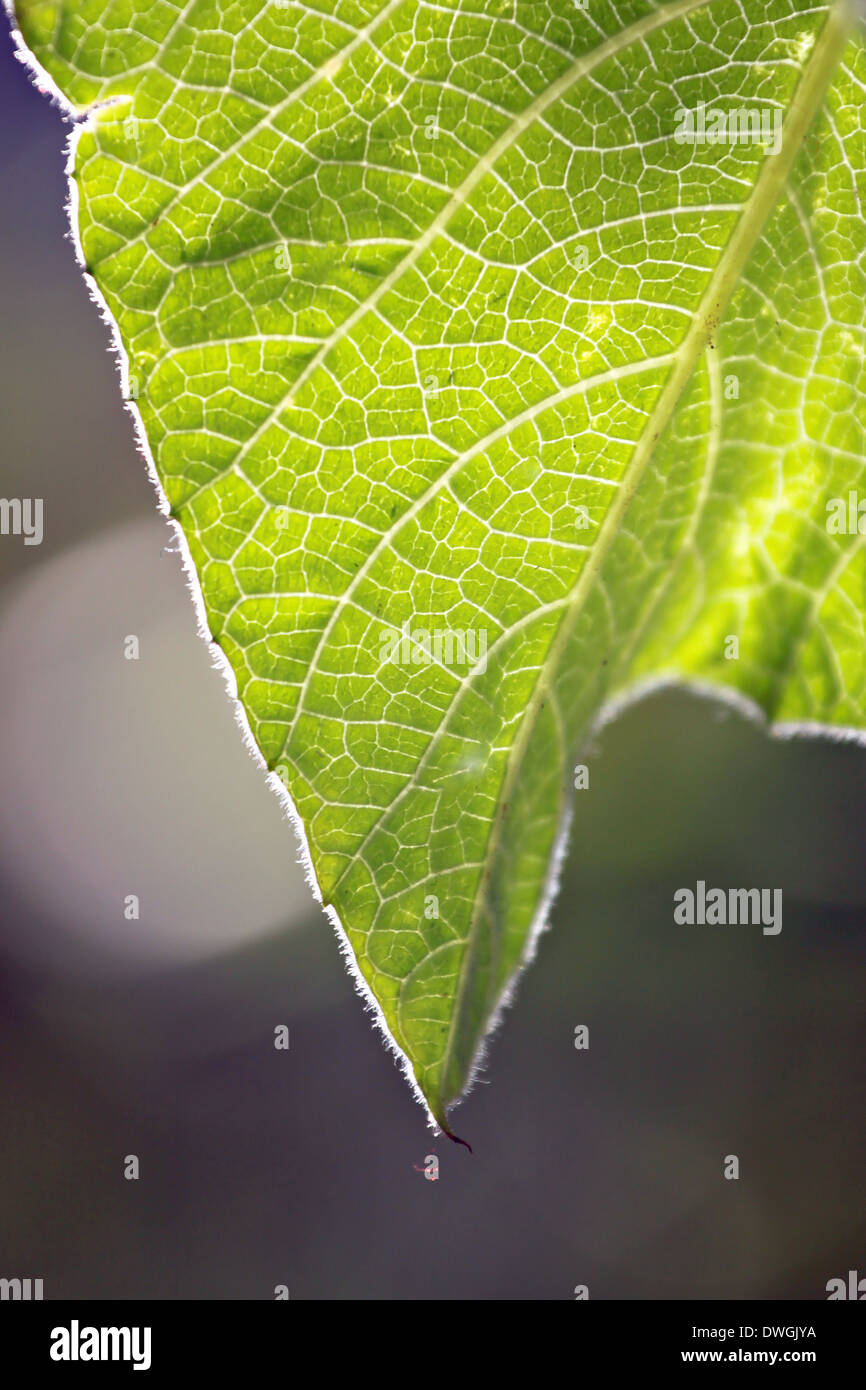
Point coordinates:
[(155, 1036)]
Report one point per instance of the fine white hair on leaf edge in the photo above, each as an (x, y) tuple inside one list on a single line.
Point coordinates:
[(540, 924), (219, 659), (726, 700)]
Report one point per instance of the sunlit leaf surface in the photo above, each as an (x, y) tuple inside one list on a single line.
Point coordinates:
[(483, 389)]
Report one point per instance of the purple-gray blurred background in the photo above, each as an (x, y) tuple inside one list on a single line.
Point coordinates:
[(155, 1037)]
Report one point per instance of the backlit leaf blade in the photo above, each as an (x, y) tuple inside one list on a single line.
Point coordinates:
[(434, 327)]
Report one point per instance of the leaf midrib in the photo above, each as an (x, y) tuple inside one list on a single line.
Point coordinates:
[(546, 403), (580, 68), (816, 76)]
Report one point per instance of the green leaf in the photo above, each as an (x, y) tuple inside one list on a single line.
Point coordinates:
[(433, 325)]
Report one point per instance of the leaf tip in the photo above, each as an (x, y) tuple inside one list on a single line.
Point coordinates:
[(455, 1138)]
